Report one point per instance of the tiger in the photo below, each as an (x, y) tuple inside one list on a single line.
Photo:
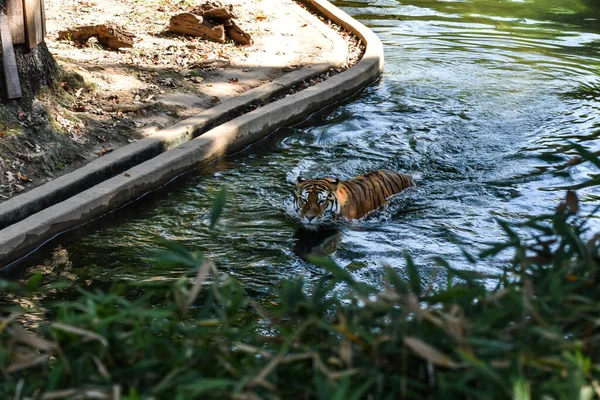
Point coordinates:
[(324, 200)]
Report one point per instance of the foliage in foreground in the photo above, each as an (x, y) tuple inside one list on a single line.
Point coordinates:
[(535, 335)]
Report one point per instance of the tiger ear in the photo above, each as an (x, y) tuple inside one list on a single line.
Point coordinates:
[(300, 180), (333, 182)]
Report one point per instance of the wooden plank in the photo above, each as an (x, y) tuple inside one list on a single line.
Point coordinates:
[(43, 11), (9, 61), (33, 22), (16, 20)]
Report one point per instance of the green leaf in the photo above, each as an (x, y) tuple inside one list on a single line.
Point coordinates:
[(34, 282), (206, 385), (514, 238), (413, 274), (340, 274), (469, 276), (551, 157), (586, 154), (360, 393), (11, 287), (177, 255), (521, 389), (397, 282), (218, 206), (483, 369)]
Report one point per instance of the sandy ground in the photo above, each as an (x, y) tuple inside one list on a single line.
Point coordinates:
[(177, 71), (164, 78)]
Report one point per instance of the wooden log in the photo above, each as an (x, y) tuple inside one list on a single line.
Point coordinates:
[(34, 28), (194, 25), (237, 34), (14, 12), (9, 61), (109, 35), (215, 12)]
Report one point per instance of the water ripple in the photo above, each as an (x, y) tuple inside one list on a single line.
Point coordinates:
[(472, 95)]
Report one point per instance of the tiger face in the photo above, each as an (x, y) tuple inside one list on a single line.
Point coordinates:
[(316, 201)]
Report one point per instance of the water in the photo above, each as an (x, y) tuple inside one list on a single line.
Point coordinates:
[(473, 93)]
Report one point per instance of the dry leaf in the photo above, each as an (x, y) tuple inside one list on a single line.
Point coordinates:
[(65, 123), (346, 352), (413, 306), (29, 362), (79, 107), (81, 332), (59, 394), (428, 352), (23, 178), (203, 272), (101, 368), (105, 150), (31, 339), (572, 202)]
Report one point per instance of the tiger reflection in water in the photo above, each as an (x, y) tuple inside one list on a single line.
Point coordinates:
[(316, 242)]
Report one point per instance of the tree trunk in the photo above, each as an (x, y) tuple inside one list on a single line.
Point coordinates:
[(37, 68)]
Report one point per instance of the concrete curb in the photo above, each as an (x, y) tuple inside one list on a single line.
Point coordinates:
[(103, 168), (22, 237)]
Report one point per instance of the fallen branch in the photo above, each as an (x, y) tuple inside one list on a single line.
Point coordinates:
[(212, 21), (109, 35)]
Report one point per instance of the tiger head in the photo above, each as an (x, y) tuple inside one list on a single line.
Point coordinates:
[(316, 201)]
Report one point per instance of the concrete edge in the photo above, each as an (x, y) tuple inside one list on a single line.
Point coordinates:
[(111, 164), (25, 236)]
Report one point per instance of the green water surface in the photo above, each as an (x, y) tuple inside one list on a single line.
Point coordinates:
[(473, 94)]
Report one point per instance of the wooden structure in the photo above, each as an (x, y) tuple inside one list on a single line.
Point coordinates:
[(27, 21), (9, 62), (22, 22)]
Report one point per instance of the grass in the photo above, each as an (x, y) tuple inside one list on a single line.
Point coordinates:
[(534, 335)]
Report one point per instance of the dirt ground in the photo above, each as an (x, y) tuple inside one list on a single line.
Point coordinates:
[(106, 99)]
